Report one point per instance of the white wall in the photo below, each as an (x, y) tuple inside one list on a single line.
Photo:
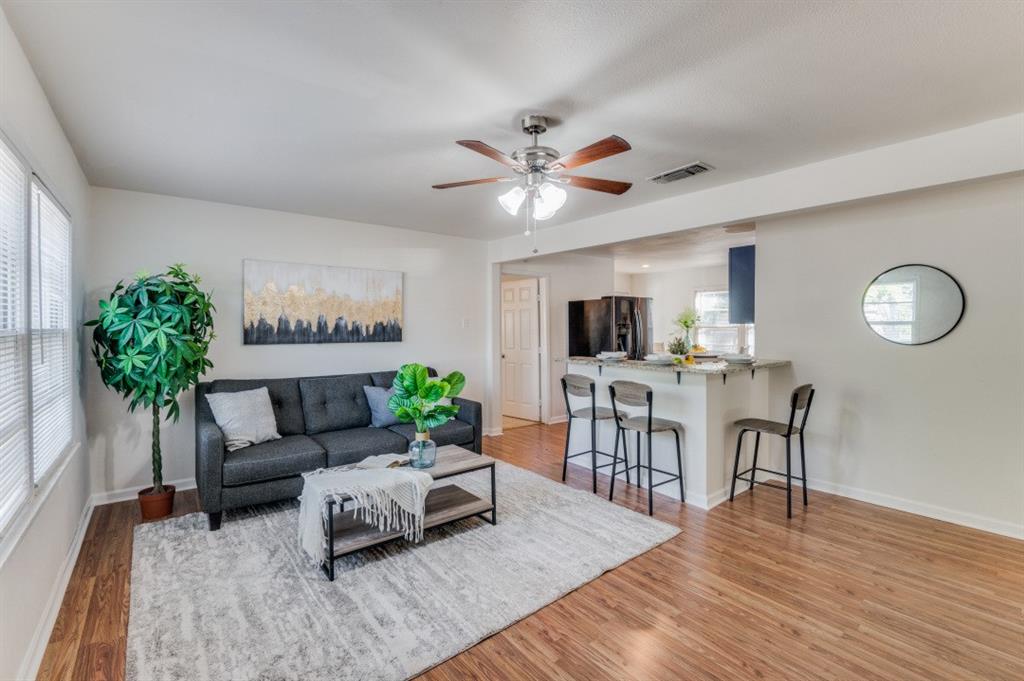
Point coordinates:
[(674, 291), (571, 277), (444, 323), (936, 429), (624, 283), (35, 551)]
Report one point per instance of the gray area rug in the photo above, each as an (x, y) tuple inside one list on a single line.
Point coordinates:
[(245, 603)]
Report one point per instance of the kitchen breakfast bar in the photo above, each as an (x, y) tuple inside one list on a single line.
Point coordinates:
[(706, 398)]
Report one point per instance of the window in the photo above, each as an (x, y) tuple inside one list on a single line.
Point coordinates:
[(714, 331), (51, 332), (35, 333), (15, 472)]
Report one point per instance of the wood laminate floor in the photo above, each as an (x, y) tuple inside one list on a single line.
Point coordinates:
[(511, 422), (845, 590)]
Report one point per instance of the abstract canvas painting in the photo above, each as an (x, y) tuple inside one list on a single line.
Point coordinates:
[(289, 303)]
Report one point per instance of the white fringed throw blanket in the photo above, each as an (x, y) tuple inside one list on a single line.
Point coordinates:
[(389, 498)]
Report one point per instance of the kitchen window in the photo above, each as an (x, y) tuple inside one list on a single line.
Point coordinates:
[(35, 334), (714, 331)]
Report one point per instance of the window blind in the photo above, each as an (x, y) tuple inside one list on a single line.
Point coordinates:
[(51, 331), (15, 474)]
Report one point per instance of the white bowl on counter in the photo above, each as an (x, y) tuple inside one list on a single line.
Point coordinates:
[(738, 359), (659, 358), (611, 356)]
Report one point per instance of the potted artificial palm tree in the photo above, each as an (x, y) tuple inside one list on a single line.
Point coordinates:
[(150, 342), (416, 401)]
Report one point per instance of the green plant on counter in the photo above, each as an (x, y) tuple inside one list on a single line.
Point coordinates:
[(678, 346), (687, 319), (150, 343), (417, 395)]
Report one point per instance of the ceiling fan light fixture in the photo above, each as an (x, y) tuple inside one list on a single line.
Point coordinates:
[(549, 199), (512, 200)]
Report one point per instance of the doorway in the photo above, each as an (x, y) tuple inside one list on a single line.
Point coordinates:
[(521, 351)]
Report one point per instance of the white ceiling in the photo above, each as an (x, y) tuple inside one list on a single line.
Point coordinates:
[(702, 247), (350, 110)]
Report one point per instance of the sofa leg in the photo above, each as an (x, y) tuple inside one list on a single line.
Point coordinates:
[(214, 520)]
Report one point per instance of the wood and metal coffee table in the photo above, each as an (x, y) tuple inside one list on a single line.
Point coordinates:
[(344, 533)]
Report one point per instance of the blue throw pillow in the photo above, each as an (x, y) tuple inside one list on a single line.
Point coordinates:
[(380, 415)]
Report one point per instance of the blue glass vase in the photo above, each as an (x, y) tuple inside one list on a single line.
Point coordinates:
[(422, 451)]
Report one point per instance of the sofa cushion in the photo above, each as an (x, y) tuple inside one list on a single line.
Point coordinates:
[(454, 432), (290, 455), (355, 444), (383, 379), (335, 402), (381, 415), (284, 397), (246, 417)]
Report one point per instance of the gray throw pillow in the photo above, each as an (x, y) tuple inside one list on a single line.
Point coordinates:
[(380, 415), (246, 417)]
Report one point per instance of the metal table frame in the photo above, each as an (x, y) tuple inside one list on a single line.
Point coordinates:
[(327, 566)]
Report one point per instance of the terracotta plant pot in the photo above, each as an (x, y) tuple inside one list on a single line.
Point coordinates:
[(155, 506)]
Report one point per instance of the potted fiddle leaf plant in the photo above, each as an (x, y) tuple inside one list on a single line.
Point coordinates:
[(150, 342), (417, 400)]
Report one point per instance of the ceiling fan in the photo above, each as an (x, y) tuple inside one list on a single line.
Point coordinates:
[(539, 170)]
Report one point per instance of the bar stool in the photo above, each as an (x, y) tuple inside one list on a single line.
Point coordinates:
[(639, 395), (583, 386), (800, 399)]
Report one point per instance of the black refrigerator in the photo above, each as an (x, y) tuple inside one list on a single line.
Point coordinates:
[(610, 324)]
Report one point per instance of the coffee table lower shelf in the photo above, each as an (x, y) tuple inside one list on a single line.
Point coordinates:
[(346, 533)]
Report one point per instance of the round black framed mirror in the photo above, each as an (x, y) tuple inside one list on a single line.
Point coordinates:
[(913, 304)]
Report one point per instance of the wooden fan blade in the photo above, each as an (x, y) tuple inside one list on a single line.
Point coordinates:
[(609, 146), (490, 152), (598, 185), (485, 180)]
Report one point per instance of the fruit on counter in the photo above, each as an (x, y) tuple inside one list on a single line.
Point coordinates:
[(699, 348)]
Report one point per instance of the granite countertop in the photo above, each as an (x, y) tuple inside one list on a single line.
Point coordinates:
[(707, 368)]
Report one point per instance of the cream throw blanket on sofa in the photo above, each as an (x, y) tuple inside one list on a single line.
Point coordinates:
[(392, 499)]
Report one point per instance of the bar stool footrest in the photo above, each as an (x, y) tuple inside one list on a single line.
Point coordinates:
[(766, 470), (665, 482), (764, 483), (603, 465)]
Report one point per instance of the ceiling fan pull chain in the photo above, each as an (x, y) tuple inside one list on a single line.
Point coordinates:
[(529, 212), (531, 216)]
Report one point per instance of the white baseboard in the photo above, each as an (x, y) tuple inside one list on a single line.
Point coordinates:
[(492, 432), (112, 497), (557, 419), (949, 515), (37, 647)]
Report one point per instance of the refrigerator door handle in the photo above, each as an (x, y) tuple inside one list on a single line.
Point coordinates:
[(639, 335)]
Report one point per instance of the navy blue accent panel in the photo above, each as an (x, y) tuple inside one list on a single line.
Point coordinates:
[(741, 285)]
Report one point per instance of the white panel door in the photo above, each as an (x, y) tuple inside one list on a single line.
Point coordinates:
[(520, 349)]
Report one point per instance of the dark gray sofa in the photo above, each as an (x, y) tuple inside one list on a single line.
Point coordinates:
[(322, 420)]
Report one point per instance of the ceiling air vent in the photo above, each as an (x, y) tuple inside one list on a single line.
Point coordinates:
[(679, 173)]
